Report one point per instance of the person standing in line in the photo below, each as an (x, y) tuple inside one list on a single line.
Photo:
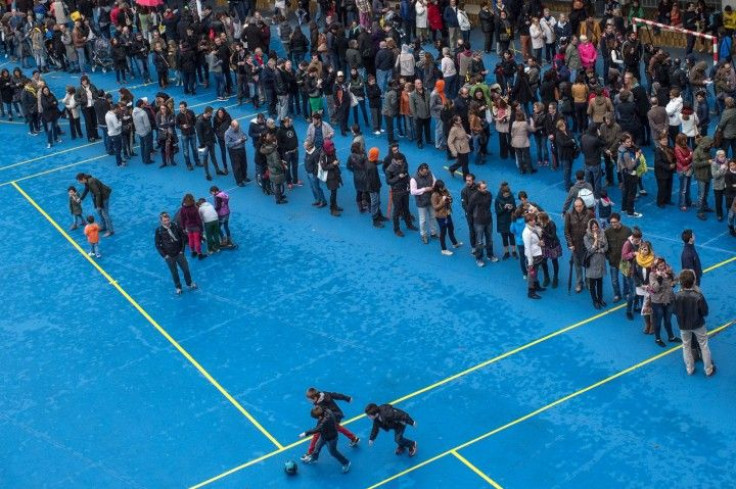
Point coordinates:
[(327, 430), (186, 121), (373, 187), (442, 203), (170, 242), (311, 165), (92, 231), (206, 136), (691, 308), (576, 225), (235, 140), (330, 163), (531, 236), (662, 297), (596, 247), (459, 146), (505, 205), (101, 200), (387, 417), (480, 210), (397, 176), (114, 126), (466, 194), (142, 125), (616, 235), (551, 249), (689, 258), (326, 400), (420, 186)]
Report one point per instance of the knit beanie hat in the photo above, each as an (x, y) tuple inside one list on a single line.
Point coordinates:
[(373, 154)]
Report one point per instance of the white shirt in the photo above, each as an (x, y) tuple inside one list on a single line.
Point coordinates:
[(532, 247), (448, 67), (673, 108), (537, 35), (114, 125), (207, 212), (421, 17)]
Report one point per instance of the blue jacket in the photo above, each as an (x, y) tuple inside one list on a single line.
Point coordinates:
[(691, 260), (517, 227), (450, 17)]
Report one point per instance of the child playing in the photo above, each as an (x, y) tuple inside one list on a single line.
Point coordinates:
[(326, 400), (92, 231), (75, 207), (605, 208), (327, 430), (211, 221), (222, 206)]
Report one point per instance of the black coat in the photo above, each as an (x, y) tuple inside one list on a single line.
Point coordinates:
[(480, 208), (565, 145), (326, 426), (389, 418), (592, 147), (327, 400), (165, 244), (372, 179), (357, 165)]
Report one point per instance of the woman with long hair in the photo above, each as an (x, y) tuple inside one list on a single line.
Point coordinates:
[(551, 248), (596, 247), (165, 121), (665, 164), (191, 223), (221, 124), (662, 297), (684, 166), (520, 130), (442, 204)]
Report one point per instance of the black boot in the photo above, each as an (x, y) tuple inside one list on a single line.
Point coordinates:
[(533, 295), (377, 223)]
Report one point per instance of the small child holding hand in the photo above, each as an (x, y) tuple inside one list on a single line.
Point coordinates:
[(75, 207)]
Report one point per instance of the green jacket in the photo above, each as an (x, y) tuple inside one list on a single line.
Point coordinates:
[(701, 160)]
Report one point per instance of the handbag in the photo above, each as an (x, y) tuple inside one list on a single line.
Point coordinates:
[(353, 100), (321, 173), (588, 257)]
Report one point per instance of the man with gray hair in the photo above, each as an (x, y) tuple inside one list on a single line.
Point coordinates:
[(235, 140)]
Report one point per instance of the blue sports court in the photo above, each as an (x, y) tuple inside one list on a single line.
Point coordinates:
[(111, 380)]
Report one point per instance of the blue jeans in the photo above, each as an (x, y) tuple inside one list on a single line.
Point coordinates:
[(104, 214), (105, 138), (146, 147), (314, 184), (382, 78), (685, 200), (219, 84), (82, 57), (189, 143), (116, 146), (331, 447), (483, 240), (593, 175), (375, 204), (630, 293), (400, 440), (143, 67), (50, 128), (662, 312), (615, 283), (703, 189)]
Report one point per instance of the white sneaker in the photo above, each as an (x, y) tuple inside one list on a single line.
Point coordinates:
[(447, 252), (480, 263), (91, 253), (98, 255), (377, 133), (494, 259)]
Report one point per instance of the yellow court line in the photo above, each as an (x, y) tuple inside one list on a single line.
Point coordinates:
[(148, 318), (440, 383), (475, 469), (50, 155), (542, 409)]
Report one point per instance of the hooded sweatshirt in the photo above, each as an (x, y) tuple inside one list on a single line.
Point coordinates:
[(701, 159)]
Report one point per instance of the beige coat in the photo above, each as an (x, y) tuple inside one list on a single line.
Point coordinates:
[(457, 141)]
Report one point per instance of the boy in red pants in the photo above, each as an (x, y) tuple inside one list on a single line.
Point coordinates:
[(327, 400)]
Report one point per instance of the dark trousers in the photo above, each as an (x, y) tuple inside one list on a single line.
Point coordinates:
[(664, 190), (389, 128), (75, 126), (210, 154), (400, 201), (181, 261), (400, 440), (471, 229), (460, 162), (629, 193), (116, 147), (292, 166), (331, 447), (239, 163), (488, 41), (423, 127), (719, 203), (90, 123), (662, 313), (446, 227)]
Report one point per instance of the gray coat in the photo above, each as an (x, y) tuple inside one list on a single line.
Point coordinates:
[(391, 103), (597, 267), (419, 104)]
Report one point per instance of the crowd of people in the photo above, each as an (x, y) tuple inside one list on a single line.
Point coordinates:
[(585, 90)]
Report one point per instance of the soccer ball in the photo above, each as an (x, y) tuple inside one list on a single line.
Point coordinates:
[(290, 467)]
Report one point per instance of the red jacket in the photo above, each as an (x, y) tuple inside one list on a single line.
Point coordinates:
[(434, 17)]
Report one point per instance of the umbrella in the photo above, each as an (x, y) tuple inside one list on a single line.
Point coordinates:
[(569, 276), (149, 3)]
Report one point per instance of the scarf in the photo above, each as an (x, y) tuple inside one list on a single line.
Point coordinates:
[(645, 261), (171, 233)]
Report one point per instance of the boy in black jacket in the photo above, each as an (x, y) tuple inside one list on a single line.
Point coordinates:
[(691, 309), (387, 417), (326, 400), (326, 429)]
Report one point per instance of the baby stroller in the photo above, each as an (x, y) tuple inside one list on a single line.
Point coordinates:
[(100, 54), (54, 59)]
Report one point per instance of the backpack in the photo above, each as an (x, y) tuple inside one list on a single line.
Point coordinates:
[(587, 196)]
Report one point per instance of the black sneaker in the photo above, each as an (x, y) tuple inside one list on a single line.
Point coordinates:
[(629, 315), (354, 442), (660, 342), (399, 450), (413, 450), (674, 339)]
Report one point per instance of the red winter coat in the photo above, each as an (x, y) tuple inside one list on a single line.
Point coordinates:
[(434, 16)]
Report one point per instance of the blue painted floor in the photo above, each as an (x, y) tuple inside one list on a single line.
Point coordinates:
[(96, 396)]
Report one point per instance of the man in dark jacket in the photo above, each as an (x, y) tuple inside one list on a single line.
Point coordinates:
[(592, 146), (480, 210), (327, 430), (616, 235), (466, 194), (691, 309), (397, 176), (185, 121), (206, 136), (170, 241), (689, 258), (288, 147), (387, 417), (576, 225), (419, 106), (101, 200), (420, 186)]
